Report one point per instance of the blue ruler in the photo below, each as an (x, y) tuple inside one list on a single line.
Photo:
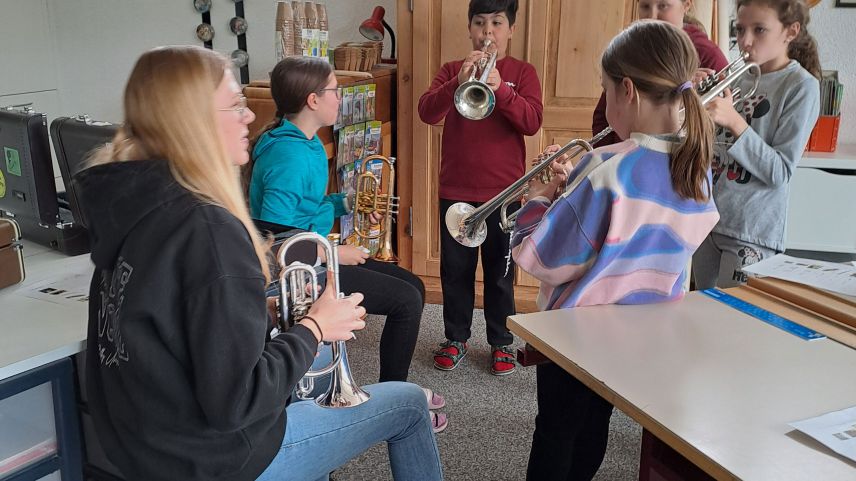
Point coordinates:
[(770, 318)]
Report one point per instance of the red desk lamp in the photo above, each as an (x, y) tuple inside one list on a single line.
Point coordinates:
[(373, 28)]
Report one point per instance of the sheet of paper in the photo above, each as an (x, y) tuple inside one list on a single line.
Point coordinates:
[(836, 430), (840, 278), (68, 287)]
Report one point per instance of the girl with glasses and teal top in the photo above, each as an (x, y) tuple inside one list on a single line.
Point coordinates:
[(288, 186)]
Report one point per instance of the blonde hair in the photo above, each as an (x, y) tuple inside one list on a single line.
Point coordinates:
[(660, 75), (690, 18), (169, 114)]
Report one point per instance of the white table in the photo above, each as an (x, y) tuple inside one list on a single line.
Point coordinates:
[(37, 404), (716, 385), (34, 332)]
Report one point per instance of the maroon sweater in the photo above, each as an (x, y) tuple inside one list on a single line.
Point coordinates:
[(710, 56), (480, 158)]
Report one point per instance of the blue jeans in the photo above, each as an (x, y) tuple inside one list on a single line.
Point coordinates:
[(319, 440)]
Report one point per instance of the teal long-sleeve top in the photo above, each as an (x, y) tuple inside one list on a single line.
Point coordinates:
[(289, 181)]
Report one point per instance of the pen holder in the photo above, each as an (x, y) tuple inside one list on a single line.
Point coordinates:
[(824, 137)]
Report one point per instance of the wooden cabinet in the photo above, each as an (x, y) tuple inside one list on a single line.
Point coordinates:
[(563, 39), (384, 76)]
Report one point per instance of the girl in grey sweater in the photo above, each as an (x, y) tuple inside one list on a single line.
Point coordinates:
[(760, 140)]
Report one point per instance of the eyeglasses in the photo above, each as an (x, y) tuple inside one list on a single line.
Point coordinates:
[(241, 107), (338, 91)]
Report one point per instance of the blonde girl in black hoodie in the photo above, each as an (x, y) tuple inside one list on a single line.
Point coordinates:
[(183, 381)]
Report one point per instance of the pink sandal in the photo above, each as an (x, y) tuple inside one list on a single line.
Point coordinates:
[(435, 401), (439, 422)]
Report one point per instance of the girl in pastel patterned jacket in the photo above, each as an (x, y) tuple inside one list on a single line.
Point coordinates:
[(620, 227)]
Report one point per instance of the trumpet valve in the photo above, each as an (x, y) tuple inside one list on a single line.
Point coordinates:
[(366, 202)]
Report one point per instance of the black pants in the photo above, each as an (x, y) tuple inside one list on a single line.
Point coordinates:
[(571, 428), (399, 295), (458, 277)]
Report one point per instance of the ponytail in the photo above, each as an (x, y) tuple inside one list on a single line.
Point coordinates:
[(662, 75), (691, 20), (690, 162), (803, 49), (247, 169)]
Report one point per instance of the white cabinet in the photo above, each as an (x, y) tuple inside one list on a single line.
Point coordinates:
[(822, 210)]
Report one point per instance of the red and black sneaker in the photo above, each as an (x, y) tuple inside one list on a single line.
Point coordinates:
[(449, 355), (503, 361)]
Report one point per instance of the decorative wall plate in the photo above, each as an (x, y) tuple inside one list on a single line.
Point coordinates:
[(240, 58), (205, 32), (238, 25), (202, 6)]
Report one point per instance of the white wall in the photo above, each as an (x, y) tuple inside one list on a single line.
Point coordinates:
[(833, 29), (78, 53), (345, 17), (84, 49)]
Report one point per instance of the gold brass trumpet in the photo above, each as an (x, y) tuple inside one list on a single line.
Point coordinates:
[(298, 290), (474, 99), (467, 223), (373, 195)]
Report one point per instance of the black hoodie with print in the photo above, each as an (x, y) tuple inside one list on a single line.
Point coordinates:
[(182, 380)]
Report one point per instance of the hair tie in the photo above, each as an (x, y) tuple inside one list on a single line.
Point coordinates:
[(684, 86), (320, 332)]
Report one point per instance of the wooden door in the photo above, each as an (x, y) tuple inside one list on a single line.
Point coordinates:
[(563, 39)]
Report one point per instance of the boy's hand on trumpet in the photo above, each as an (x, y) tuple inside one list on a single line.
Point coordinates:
[(470, 63), (494, 80)]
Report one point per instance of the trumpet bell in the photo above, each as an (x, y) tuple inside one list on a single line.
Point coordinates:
[(474, 100), (455, 217), (343, 391)]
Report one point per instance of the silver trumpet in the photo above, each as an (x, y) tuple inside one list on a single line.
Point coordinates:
[(298, 283), (474, 99), (467, 223)]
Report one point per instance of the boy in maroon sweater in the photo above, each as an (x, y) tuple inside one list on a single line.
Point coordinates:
[(480, 158)]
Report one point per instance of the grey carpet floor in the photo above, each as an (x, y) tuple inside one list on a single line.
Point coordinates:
[(491, 418)]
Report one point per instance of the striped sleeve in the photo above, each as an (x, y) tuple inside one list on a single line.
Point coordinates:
[(558, 249)]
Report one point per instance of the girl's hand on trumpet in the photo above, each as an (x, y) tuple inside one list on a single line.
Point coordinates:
[(335, 318), (273, 309), (556, 185), (701, 75), (722, 112), (350, 255), (375, 217)]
